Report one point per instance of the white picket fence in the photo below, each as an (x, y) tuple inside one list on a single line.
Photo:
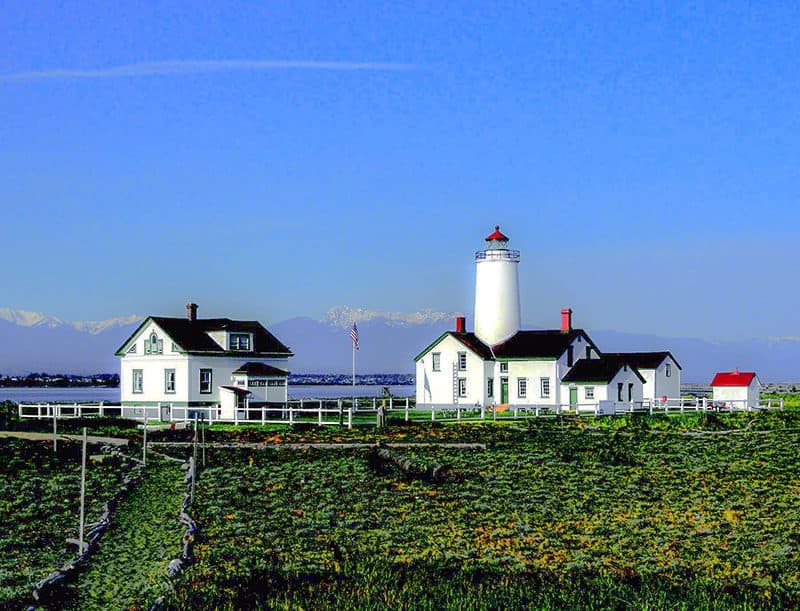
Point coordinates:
[(344, 411)]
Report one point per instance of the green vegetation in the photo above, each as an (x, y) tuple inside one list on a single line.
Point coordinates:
[(39, 507), (685, 511), (658, 512), (129, 570)]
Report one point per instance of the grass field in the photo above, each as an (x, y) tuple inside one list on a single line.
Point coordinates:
[(638, 512), (39, 507), (692, 511)]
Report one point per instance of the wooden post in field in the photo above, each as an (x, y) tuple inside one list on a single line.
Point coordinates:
[(83, 493), (144, 439)]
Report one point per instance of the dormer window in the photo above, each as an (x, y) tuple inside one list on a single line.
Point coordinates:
[(153, 345), (239, 341)]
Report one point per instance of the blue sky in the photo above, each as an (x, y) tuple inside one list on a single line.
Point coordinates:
[(644, 159)]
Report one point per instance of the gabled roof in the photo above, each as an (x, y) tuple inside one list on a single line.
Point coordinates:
[(733, 378), (261, 369), (469, 340), (192, 336), (643, 360), (539, 344), (597, 370)]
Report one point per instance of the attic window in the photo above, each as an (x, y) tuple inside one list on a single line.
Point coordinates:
[(132, 349), (668, 370), (239, 341), (153, 345)]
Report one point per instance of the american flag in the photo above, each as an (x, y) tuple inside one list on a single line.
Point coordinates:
[(354, 336)]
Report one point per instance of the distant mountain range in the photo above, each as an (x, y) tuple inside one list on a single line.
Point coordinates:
[(32, 341)]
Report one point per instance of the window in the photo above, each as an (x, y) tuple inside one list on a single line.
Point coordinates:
[(668, 370), (589, 392), (522, 387), (205, 381), (132, 349), (276, 382), (544, 384), (239, 341), (503, 367), (462, 361), (620, 385), (153, 345), (462, 387), (175, 347), (630, 391), (138, 381), (169, 381), (490, 387), (437, 361)]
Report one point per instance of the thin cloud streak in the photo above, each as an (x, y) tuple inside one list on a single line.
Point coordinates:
[(168, 68)]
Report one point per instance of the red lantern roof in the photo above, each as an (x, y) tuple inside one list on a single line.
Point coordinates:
[(496, 235), (733, 378)]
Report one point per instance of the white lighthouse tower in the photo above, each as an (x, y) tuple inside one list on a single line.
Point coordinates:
[(496, 290)]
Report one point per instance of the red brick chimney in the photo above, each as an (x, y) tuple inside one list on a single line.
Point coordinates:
[(461, 324), (191, 309), (566, 320)]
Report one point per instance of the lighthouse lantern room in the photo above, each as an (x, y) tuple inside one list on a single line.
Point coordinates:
[(497, 311)]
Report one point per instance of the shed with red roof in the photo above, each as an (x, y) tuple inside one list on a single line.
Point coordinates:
[(738, 388)]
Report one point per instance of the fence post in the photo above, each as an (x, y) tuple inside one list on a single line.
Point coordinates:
[(144, 440), (101, 409), (483, 412), (263, 413), (374, 403), (516, 412), (406, 409), (350, 417), (494, 411), (705, 403), (55, 446), (291, 413), (458, 412), (391, 402), (433, 412), (83, 493), (236, 411), (320, 412)]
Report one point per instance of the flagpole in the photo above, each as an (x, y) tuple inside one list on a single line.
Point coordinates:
[(354, 374)]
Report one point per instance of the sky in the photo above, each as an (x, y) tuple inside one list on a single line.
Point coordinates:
[(273, 159)]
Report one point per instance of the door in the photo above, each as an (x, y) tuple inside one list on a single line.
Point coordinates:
[(573, 397), (165, 413), (503, 390)]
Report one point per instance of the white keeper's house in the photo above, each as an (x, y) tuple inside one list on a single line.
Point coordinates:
[(172, 368), (500, 364)]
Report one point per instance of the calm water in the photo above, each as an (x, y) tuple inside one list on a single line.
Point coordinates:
[(81, 395)]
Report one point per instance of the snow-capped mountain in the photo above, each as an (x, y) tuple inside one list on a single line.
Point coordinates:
[(26, 318), (344, 316), (33, 341)]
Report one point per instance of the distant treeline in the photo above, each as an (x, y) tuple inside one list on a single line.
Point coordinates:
[(341, 379), (61, 380)]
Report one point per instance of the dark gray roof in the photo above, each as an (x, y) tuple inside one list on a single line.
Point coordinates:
[(643, 360), (261, 369), (237, 390), (192, 336), (539, 344), (597, 370)]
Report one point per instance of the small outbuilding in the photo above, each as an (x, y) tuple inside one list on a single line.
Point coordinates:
[(740, 388)]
